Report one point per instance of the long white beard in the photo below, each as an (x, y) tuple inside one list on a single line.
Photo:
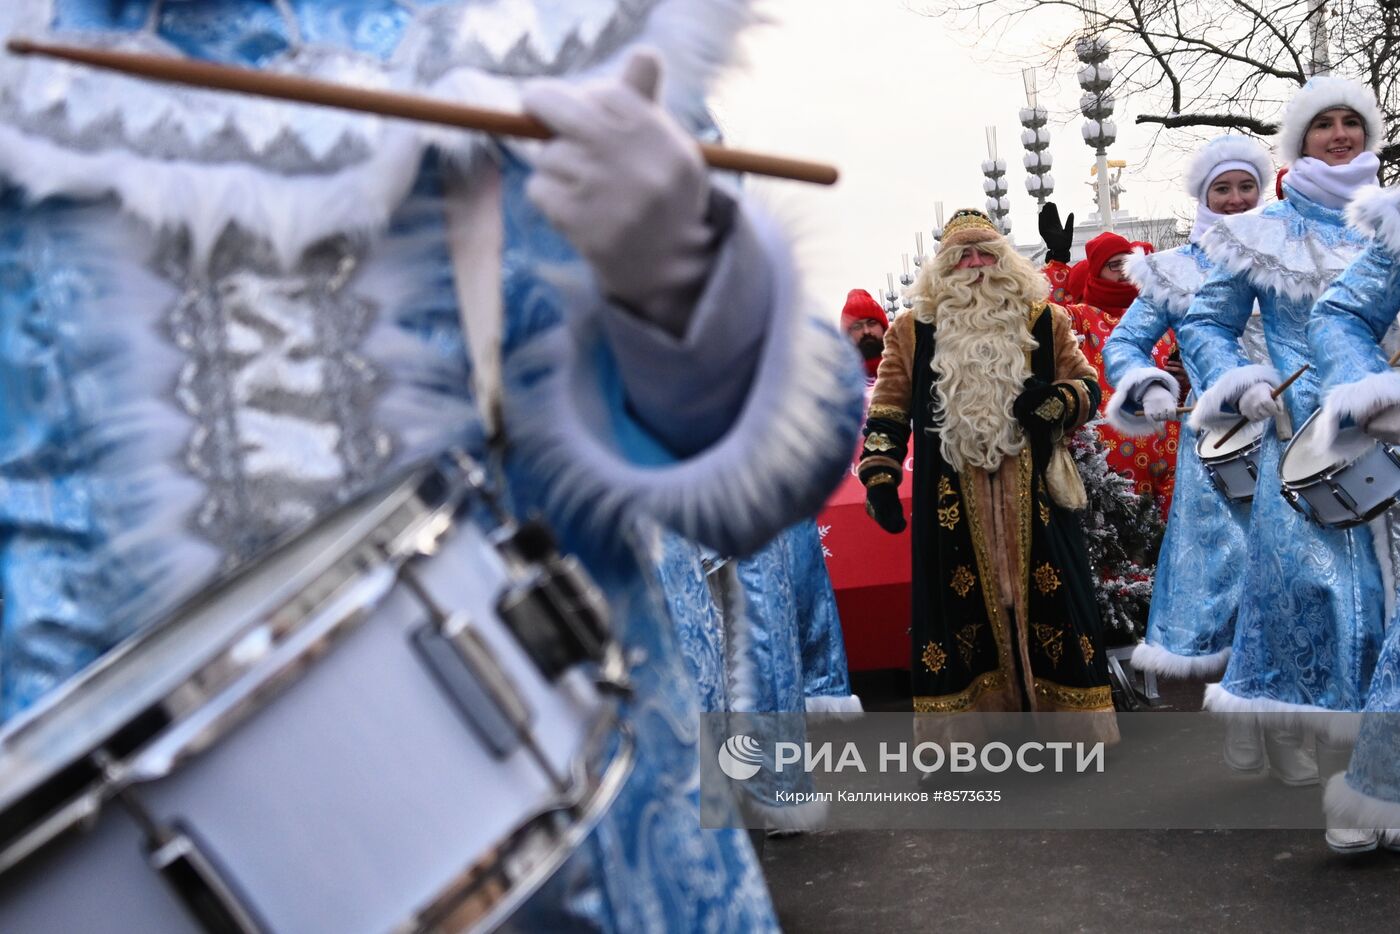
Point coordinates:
[(980, 365)]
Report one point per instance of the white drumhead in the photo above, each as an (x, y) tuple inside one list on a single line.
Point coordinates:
[(1306, 456), (1244, 439)]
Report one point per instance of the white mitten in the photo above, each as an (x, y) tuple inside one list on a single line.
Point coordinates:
[(1384, 425), (1158, 404), (628, 188), (1257, 403)]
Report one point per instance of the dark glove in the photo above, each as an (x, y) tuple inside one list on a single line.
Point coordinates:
[(882, 504), (1043, 408), (1058, 239)]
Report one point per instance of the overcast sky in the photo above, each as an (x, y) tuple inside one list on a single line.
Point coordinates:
[(899, 102)]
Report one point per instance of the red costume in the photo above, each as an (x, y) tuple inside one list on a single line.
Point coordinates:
[(1096, 307), (860, 306)]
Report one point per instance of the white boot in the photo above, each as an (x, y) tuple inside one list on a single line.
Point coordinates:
[(1333, 757), (1350, 842), (1244, 743), (1290, 759)]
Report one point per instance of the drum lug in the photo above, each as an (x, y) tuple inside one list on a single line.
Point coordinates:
[(197, 881), (1344, 497), (553, 620)]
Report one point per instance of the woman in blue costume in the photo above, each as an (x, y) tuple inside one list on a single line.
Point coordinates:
[(225, 316), (1359, 388), (1197, 587), (1312, 611)]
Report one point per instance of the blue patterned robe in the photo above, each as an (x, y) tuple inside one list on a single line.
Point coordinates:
[(1346, 331), (1312, 611), (276, 329), (1196, 591)]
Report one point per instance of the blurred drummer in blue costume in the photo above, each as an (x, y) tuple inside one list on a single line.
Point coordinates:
[(1312, 611), (225, 316), (1196, 591), (1360, 389)]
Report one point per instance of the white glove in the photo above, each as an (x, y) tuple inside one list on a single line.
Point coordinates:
[(628, 188), (1384, 425), (1158, 404), (1257, 403)]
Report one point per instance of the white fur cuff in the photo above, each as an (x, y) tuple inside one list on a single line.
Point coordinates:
[(1347, 807), (1166, 664), (1358, 402), (1210, 407), (832, 704), (1376, 211), (1127, 399)]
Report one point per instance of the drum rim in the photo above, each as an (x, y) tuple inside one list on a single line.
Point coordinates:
[(378, 503), (1259, 429)]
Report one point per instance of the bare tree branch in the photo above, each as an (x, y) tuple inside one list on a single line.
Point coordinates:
[(1226, 121)]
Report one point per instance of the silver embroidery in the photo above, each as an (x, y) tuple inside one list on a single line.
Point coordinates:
[(275, 382)]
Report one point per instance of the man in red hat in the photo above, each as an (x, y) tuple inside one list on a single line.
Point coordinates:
[(865, 324)]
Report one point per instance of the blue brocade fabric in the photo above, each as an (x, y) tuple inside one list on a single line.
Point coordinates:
[(1312, 612), (825, 671), (1345, 332), (1196, 590)]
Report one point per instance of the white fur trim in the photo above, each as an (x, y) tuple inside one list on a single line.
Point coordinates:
[(1347, 807), (1358, 402), (740, 668), (1169, 278), (787, 448), (1323, 92), (1166, 664), (1210, 407), (1134, 382), (1231, 148), (1278, 254), (1375, 211), (831, 704), (1333, 725)]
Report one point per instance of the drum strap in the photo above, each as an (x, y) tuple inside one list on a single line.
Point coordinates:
[(475, 237)]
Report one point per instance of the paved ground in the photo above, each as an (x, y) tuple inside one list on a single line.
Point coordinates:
[(1138, 882)]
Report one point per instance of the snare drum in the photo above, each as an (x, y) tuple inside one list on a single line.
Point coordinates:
[(393, 723), (1349, 482), (1234, 465)]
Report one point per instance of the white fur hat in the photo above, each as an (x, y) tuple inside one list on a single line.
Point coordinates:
[(1231, 148), (1323, 92)]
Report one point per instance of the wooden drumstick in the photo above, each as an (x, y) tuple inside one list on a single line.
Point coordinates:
[(385, 103), (1235, 429)]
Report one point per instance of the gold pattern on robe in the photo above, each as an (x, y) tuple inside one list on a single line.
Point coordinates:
[(967, 641), (1051, 410), (964, 699), (892, 412), (1047, 579), (963, 580), (948, 516), (1099, 698), (880, 479), (1049, 638), (934, 657), (1086, 648), (876, 441)]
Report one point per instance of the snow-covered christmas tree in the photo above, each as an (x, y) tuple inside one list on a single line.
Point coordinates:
[(1123, 530)]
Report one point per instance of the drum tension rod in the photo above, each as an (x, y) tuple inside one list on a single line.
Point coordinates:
[(173, 851)]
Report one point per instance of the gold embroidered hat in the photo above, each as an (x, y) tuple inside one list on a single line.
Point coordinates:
[(967, 227)]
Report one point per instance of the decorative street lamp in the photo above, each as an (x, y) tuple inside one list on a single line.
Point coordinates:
[(995, 184), (1096, 104), (1040, 184)]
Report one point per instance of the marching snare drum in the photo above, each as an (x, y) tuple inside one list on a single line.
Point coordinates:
[(398, 721), (1349, 482), (1234, 465)]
